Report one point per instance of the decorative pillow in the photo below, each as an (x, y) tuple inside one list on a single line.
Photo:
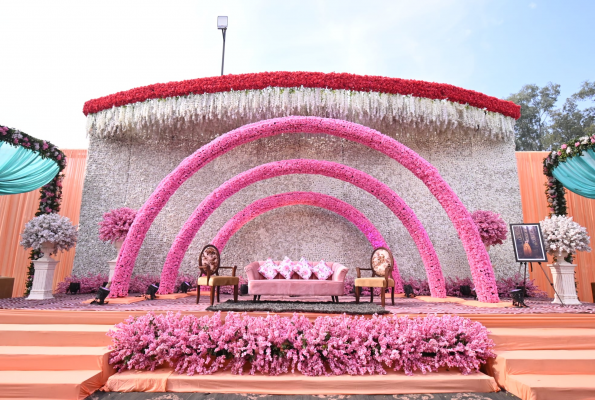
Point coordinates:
[(302, 268), (286, 268), (322, 271), (268, 269)]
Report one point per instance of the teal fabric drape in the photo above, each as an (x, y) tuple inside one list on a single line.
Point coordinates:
[(577, 174), (23, 170)]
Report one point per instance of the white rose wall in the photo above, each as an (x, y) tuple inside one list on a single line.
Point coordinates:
[(372, 125)]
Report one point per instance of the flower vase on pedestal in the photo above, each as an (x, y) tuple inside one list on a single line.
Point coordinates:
[(112, 263), (43, 279), (563, 277)]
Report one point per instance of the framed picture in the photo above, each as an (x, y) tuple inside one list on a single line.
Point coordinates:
[(527, 242)]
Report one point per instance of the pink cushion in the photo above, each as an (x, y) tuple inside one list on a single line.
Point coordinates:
[(302, 268), (296, 287), (285, 268), (322, 271), (268, 269)]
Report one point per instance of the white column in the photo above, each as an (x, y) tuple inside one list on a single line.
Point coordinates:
[(563, 276), (43, 279), (112, 263)]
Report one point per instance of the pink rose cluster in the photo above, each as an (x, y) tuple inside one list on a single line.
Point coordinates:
[(481, 267), (116, 224), (276, 345), (491, 227)]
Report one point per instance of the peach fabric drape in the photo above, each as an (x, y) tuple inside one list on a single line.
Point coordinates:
[(532, 181), (16, 210)]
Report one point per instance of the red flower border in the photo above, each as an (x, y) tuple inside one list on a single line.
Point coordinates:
[(262, 80)]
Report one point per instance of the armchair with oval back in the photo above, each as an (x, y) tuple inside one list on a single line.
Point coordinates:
[(381, 266), (209, 264)]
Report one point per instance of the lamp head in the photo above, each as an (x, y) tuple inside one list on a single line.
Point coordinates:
[(221, 22)]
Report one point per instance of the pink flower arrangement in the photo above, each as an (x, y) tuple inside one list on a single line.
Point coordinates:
[(138, 283), (89, 283), (275, 345), (481, 267), (226, 83), (304, 166), (330, 203), (491, 227), (115, 224)]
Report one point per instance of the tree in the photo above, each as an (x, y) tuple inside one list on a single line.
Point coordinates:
[(537, 105)]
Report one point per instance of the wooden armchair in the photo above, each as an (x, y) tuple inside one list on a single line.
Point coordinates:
[(381, 265), (209, 264)]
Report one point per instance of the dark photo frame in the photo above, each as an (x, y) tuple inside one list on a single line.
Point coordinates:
[(527, 241)]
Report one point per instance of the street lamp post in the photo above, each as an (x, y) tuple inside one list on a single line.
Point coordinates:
[(222, 24)]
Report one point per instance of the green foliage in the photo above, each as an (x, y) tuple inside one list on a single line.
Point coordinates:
[(537, 105), (544, 127)]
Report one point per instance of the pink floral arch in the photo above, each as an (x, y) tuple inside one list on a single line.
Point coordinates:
[(303, 166), (479, 261), (330, 203)]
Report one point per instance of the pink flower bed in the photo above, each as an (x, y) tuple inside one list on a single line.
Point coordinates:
[(453, 286), (302, 166), (138, 283), (479, 261), (330, 203), (275, 345)]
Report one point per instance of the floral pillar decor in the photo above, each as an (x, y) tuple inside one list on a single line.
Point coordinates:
[(113, 228), (303, 166), (562, 237), (48, 234), (50, 195)]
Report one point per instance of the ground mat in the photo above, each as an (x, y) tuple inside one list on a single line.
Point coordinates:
[(278, 306)]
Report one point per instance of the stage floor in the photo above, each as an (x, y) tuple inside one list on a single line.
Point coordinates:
[(402, 305), (502, 395)]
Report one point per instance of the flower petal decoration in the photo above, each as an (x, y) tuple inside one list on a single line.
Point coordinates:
[(218, 104)]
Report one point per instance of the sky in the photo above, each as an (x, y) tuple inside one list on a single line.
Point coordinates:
[(55, 55)]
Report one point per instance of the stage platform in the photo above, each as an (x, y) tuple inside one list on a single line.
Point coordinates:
[(62, 343)]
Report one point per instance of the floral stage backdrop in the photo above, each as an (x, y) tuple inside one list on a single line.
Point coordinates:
[(123, 171)]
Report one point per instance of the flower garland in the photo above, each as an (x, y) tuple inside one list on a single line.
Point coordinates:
[(189, 108), (330, 203), (50, 195), (276, 345), (304, 166), (555, 191)]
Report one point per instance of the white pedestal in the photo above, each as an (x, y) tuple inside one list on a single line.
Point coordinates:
[(563, 277), (112, 263), (43, 279)]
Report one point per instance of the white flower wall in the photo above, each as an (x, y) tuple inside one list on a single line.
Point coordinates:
[(123, 171)]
